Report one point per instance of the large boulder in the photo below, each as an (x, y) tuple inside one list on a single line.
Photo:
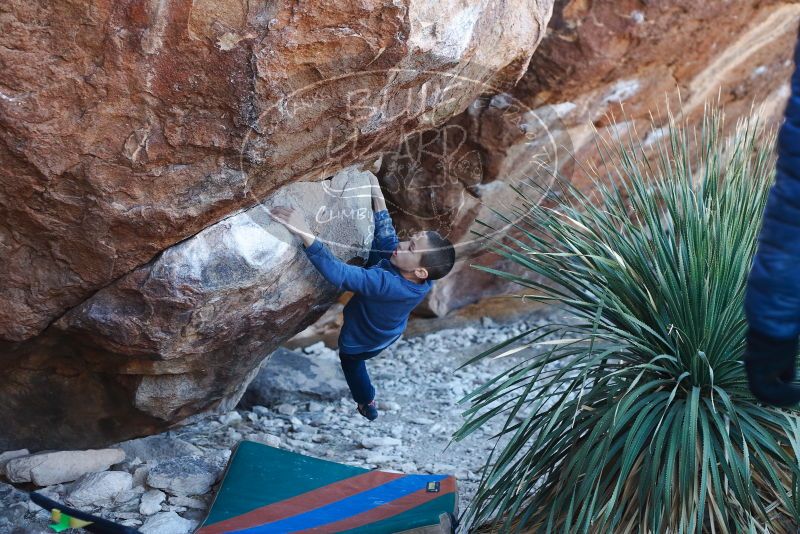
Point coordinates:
[(604, 65), (127, 127), (185, 332), (141, 280)]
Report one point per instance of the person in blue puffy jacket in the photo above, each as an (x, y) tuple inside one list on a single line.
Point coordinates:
[(772, 298)]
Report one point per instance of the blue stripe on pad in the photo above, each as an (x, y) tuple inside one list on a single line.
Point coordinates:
[(347, 507)]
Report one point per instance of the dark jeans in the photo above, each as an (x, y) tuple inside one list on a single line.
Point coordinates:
[(355, 372)]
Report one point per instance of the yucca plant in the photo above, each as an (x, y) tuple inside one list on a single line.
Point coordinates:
[(635, 415)]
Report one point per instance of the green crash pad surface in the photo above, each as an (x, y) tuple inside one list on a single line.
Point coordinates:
[(270, 490)]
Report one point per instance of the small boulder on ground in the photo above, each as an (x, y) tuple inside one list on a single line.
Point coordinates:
[(186, 475), (151, 502), (167, 523), (288, 376), (188, 502), (7, 456), (158, 448), (98, 489), (47, 468), (230, 418)]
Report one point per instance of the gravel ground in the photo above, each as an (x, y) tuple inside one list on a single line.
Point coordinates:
[(417, 391)]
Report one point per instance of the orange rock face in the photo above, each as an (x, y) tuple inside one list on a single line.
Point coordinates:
[(126, 127), (608, 65), (136, 138)]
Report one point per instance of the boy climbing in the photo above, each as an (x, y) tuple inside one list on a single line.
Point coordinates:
[(396, 278)]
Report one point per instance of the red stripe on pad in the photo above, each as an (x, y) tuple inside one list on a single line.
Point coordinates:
[(303, 502), (395, 507)]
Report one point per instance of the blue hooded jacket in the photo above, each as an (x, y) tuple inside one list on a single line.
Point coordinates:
[(772, 299), (377, 314)]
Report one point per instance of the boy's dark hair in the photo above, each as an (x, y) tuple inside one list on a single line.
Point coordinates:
[(439, 257)]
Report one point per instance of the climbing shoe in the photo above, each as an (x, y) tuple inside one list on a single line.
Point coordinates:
[(370, 411)]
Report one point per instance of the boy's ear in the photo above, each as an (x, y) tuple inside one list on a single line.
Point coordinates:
[(421, 272)]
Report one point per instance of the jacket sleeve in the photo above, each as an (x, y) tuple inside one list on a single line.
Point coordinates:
[(385, 238), (772, 298), (368, 282)]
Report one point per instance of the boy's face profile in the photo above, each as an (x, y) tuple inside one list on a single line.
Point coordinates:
[(408, 255)]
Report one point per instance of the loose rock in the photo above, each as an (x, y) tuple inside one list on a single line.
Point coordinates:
[(186, 475), (98, 489), (230, 418), (64, 466), (286, 409), (157, 448), (188, 502), (10, 455), (167, 523), (151, 502), (380, 441)]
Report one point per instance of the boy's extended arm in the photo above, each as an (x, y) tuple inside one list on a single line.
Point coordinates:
[(385, 238), (369, 282)]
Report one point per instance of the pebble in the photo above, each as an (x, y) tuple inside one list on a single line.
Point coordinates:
[(185, 475), (98, 489), (315, 406), (230, 418), (444, 468), (286, 409), (422, 421), (188, 502), (128, 516), (377, 458), (128, 496), (380, 441), (269, 439), (140, 475), (436, 428), (262, 411), (151, 502), (173, 508), (389, 406), (167, 523)]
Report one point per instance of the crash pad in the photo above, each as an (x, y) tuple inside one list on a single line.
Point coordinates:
[(270, 490)]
